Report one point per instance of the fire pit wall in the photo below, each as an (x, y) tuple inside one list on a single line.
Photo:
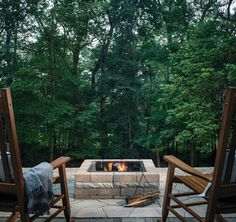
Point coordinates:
[(115, 185)]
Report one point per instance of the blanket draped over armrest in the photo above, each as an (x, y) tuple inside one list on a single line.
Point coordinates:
[(39, 188)]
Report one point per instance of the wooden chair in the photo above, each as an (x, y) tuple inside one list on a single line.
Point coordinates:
[(222, 192), (12, 189)]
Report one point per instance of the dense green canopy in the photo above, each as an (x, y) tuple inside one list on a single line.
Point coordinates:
[(117, 78)]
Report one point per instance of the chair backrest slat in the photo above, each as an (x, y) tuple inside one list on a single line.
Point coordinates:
[(4, 158), (231, 151), (8, 137), (226, 148), (230, 147)]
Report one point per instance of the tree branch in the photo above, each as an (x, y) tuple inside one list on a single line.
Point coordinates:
[(228, 8)]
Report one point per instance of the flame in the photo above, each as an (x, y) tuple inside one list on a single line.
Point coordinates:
[(122, 166), (110, 164), (119, 166)]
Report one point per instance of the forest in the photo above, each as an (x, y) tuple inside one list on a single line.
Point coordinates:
[(117, 78)]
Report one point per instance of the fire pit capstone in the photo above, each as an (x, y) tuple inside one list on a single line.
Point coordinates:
[(92, 184)]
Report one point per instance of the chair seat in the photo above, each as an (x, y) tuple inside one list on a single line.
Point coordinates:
[(195, 183), (226, 205), (8, 201)]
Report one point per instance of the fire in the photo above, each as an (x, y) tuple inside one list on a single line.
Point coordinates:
[(108, 167), (117, 166), (110, 164), (122, 166)]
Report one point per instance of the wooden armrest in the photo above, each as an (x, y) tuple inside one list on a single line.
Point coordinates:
[(186, 168), (60, 161), (7, 187)]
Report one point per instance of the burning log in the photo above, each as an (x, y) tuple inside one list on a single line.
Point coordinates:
[(142, 200)]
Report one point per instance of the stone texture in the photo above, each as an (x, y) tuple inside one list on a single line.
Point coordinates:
[(91, 212), (136, 184), (139, 212), (82, 197), (148, 177), (80, 185), (114, 211), (86, 192), (118, 184), (102, 197), (83, 177), (131, 191), (123, 185), (124, 177), (109, 192), (102, 177)]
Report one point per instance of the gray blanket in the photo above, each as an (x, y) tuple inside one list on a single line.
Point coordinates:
[(39, 188)]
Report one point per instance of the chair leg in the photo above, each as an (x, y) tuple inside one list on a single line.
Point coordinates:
[(13, 217), (211, 208), (64, 190), (220, 218), (168, 190), (24, 216), (210, 216)]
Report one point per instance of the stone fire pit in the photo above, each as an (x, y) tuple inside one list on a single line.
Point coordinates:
[(96, 180)]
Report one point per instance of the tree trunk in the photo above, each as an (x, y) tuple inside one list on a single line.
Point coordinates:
[(76, 52), (130, 142), (193, 155), (158, 156), (51, 145), (8, 57), (103, 131), (53, 77), (15, 47), (103, 53)]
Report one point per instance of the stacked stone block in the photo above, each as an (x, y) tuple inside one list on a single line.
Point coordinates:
[(115, 185)]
